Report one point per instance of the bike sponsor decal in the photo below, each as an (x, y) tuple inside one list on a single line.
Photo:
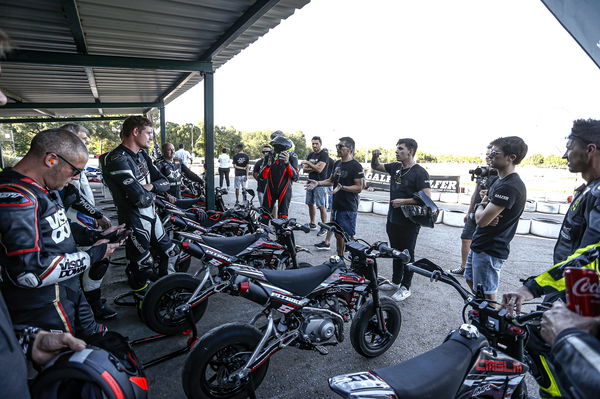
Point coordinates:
[(285, 309), (128, 181), (499, 366), (70, 268), (286, 298)]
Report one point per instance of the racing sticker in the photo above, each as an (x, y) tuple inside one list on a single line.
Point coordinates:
[(60, 226)]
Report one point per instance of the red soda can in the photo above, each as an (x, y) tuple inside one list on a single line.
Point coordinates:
[(583, 291)]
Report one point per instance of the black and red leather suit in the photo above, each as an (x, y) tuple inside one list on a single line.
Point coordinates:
[(279, 177), (40, 261), (125, 172)]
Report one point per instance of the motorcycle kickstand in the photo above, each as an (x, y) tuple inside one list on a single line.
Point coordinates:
[(251, 390)]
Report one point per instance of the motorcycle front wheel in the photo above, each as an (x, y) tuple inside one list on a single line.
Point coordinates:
[(219, 353), (160, 308), (366, 337)]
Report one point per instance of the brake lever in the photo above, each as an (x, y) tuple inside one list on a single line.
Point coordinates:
[(435, 276)]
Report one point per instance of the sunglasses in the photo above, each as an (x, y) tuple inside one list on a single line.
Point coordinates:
[(341, 146), (492, 154), (75, 170)]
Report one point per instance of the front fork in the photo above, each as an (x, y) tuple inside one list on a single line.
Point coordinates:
[(371, 275)]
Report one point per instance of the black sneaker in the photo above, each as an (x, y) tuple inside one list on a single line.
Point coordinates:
[(312, 226), (321, 232), (459, 271), (323, 246)]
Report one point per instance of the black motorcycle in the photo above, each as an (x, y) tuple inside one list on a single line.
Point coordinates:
[(484, 358), (305, 308), (169, 301)]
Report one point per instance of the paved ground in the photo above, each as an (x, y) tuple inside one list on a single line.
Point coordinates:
[(428, 314)]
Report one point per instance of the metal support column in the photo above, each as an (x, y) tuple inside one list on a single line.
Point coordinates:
[(209, 138), (163, 125)]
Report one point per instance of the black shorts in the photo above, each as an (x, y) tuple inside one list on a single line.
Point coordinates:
[(469, 229)]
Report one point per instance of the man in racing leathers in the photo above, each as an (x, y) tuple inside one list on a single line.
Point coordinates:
[(174, 170), (280, 169), (39, 257), (133, 181), (578, 243)]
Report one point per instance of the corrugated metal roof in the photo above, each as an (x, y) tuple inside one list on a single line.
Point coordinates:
[(156, 29)]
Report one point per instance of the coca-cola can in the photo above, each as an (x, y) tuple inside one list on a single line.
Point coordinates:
[(583, 291)]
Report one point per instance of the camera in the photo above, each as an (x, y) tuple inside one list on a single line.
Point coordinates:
[(481, 173)]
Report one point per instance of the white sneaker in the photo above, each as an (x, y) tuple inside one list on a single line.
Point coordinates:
[(401, 294)]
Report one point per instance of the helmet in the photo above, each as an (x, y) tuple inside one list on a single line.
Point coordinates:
[(281, 144), (424, 214), (93, 373)]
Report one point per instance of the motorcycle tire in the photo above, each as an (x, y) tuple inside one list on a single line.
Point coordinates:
[(218, 353), (163, 297), (364, 334)]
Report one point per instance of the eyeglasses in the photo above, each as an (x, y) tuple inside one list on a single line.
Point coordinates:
[(75, 170), (341, 146), (492, 154)]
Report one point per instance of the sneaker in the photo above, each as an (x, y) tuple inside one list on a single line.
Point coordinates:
[(321, 232), (323, 246), (459, 271), (388, 287), (401, 294), (312, 226)]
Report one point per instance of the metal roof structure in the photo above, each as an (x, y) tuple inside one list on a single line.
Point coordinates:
[(107, 57)]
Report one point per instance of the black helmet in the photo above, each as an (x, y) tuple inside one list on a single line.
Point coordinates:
[(281, 144), (425, 214), (93, 373)]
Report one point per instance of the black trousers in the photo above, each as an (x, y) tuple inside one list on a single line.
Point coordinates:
[(402, 236), (224, 174)]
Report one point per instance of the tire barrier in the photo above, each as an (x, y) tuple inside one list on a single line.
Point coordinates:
[(530, 206), (451, 198), (464, 199), (563, 209), (435, 195), (381, 207), (545, 228), (547, 207), (524, 226), (454, 218), (365, 205), (440, 216)]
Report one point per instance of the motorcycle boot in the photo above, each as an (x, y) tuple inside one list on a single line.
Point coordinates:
[(99, 307)]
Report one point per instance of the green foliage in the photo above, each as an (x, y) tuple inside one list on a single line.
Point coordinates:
[(302, 149), (548, 161)]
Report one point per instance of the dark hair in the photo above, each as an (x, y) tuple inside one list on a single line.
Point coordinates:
[(411, 144), (317, 138), (180, 145), (132, 122), (512, 145), (586, 130), (325, 150), (75, 128), (223, 150), (349, 142), (239, 146), (59, 141)]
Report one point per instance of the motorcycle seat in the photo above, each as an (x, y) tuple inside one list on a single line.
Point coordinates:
[(436, 374), (300, 281), (232, 245)]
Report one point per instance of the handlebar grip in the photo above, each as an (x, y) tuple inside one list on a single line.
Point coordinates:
[(418, 270), (193, 249), (529, 316), (304, 228), (326, 227)]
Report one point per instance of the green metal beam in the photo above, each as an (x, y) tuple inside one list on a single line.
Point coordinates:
[(69, 119), (26, 105), (209, 138), (256, 11), (104, 61)]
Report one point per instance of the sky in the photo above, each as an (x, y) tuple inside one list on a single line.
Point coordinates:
[(453, 75)]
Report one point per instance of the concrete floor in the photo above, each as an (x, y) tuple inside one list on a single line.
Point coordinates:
[(427, 316)]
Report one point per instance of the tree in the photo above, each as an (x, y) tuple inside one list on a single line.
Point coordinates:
[(301, 148)]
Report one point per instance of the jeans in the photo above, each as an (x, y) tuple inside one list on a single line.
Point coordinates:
[(403, 236), (224, 173)]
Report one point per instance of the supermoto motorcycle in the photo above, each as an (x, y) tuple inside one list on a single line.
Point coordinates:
[(168, 302), (305, 308), (484, 358)]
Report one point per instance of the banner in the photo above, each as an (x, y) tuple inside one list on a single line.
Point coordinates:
[(581, 18), (381, 181)]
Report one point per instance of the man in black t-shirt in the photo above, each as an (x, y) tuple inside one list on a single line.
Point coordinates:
[(316, 166), (330, 164), (407, 178), (497, 216), (261, 183), (241, 164), (347, 180)]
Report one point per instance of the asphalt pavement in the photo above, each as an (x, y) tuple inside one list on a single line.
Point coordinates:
[(427, 316)]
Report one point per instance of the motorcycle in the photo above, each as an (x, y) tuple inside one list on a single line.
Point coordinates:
[(169, 300), (484, 358), (305, 308)]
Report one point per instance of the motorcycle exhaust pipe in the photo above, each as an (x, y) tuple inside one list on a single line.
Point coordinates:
[(193, 249), (253, 292)]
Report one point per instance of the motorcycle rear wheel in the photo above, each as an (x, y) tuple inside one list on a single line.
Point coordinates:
[(220, 352), (365, 336), (163, 297)]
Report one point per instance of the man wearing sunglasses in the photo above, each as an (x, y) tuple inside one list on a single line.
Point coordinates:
[(40, 260), (497, 216)]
